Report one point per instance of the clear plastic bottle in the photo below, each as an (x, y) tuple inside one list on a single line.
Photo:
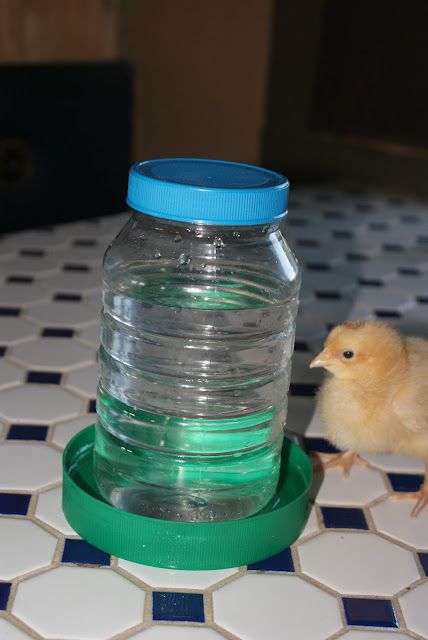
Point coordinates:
[(199, 306)]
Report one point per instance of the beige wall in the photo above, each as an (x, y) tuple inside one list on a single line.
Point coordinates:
[(58, 30), (200, 65), (201, 76)]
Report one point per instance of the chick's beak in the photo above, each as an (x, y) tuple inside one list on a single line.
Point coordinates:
[(323, 359)]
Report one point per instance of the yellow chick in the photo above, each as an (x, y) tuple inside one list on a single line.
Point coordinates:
[(376, 398)]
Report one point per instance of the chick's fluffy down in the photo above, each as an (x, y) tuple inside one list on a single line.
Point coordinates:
[(377, 402)]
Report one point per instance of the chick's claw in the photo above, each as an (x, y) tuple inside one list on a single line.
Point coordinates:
[(338, 460), (420, 496)]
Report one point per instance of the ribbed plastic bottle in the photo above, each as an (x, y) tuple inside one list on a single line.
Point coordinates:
[(198, 321)]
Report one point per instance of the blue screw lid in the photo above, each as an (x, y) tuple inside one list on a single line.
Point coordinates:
[(207, 191)]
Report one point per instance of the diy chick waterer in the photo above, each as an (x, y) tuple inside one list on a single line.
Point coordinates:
[(187, 466)]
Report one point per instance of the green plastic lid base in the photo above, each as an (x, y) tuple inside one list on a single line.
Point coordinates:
[(185, 545)]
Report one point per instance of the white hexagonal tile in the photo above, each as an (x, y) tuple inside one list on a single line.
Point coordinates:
[(88, 604), (64, 431), (393, 518), (379, 268), (22, 295), (412, 258), (33, 403), (49, 510), (300, 413), (52, 354), (336, 311), (358, 563), (84, 255), (327, 254), (358, 245), (74, 281), (414, 607), (385, 298), (10, 374), (95, 300), (39, 267), (173, 632), (418, 285), (24, 547), (62, 314), (90, 335), (28, 465), (39, 239), (14, 330), (84, 381), (170, 579), (8, 631), (311, 526), (398, 236), (323, 281), (391, 462), (316, 428), (258, 606), (362, 486), (374, 635), (309, 328)]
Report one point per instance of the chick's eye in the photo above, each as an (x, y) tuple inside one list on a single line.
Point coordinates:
[(348, 354)]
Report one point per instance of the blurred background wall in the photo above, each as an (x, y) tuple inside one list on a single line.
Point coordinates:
[(323, 90)]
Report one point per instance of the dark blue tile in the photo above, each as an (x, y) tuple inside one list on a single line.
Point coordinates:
[(320, 445), (365, 282), (82, 242), (27, 432), (356, 257), (10, 311), (405, 482), (282, 561), (44, 377), (75, 267), (343, 234), (92, 406), (306, 242), (344, 518), (81, 552), (2, 351), (392, 247), (301, 346), (67, 297), (53, 332), (303, 389), (4, 594), (387, 313), (423, 557), (378, 226), (328, 295), (183, 607), (32, 253), (333, 215), (409, 271), (14, 504), (20, 280), (317, 266), (369, 613)]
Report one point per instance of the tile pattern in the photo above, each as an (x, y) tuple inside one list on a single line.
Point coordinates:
[(360, 567)]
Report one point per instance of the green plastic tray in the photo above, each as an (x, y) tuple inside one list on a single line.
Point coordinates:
[(185, 545)]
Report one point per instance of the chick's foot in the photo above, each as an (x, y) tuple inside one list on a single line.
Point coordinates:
[(420, 496), (338, 460)]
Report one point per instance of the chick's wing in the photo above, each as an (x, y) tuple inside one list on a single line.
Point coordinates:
[(411, 401)]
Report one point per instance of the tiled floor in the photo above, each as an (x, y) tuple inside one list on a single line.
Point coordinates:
[(359, 570)]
